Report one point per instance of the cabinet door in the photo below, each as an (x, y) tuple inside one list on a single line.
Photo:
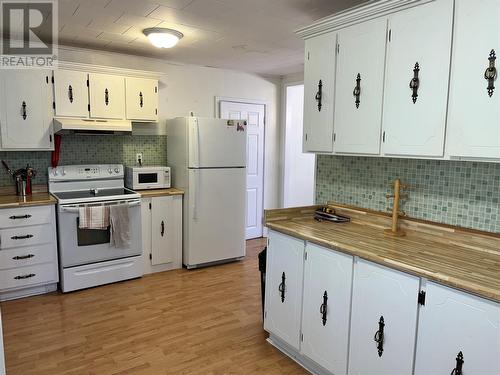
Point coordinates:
[(326, 307), (384, 307), (414, 120), (360, 69), (71, 93), (285, 260), (26, 115), (161, 246), (147, 232), (474, 115), (141, 99), (453, 322), (107, 96), (319, 80)]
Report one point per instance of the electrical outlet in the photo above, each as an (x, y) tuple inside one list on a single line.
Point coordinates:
[(138, 158)]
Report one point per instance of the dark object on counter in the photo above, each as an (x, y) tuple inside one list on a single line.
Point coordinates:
[(328, 214), (22, 178), (262, 269)]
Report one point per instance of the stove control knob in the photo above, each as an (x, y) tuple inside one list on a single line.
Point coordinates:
[(110, 170), (63, 172), (117, 170), (54, 172)]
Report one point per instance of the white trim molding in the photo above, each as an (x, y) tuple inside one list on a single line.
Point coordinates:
[(354, 15), (90, 68)]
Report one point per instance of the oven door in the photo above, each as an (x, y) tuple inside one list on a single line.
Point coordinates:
[(78, 247)]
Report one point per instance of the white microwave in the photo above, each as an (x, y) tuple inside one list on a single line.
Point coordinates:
[(138, 178)]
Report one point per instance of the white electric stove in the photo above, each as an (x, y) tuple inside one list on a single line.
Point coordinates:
[(86, 257)]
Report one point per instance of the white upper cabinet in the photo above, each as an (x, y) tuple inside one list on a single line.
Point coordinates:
[(319, 80), (107, 96), (327, 308), (26, 109), (359, 87), (71, 94), (457, 331), (474, 114), (141, 96), (284, 276), (417, 71), (383, 321)]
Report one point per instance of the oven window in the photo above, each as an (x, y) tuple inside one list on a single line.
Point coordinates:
[(88, 237), (147, 178)]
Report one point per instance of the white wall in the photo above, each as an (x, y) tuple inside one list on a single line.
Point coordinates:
[(185, 88), (299, 167)]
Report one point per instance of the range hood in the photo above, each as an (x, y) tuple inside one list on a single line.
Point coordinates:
[(88, 126)]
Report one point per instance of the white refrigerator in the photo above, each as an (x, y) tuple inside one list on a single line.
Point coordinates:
[(208, 161)]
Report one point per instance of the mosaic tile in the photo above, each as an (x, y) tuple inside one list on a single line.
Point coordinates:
[(465, 194), (89, 149)]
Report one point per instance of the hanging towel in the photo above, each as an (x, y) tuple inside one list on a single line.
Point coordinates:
[(93, 217), (120, 228)]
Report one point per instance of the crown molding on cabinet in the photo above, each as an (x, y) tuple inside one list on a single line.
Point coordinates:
[(90, 68), (360, 13)]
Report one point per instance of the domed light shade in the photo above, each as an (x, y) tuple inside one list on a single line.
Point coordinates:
[(162, 37)]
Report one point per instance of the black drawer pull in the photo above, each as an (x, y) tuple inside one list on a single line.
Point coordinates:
[(460, 361), (282, 287), (15, 217), (28, 276), (324, 308), (379, 336), (20, 257), (162, 231), (25, 237)]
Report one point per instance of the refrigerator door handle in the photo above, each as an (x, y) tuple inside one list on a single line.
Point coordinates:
[(195, 194), (196, 145)]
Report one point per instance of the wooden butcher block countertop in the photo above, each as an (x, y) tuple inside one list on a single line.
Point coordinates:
[(460, 258), (160, 192), (36, 199)]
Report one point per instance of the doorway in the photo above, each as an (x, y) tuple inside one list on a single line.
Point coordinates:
[(299, 167), (254, 113)]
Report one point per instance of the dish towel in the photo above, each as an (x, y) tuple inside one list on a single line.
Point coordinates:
[(93, 217), (120, 228)]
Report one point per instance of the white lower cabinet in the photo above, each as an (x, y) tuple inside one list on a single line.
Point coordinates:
[(284, 274), (162, 231), (453, 327), (326, 308), (383, 321)]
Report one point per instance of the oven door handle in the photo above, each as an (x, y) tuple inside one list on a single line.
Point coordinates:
[(76, 208)]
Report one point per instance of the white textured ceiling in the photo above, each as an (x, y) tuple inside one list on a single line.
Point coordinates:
[(250, 35)]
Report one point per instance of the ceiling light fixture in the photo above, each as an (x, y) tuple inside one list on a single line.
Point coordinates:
[(163, 38)]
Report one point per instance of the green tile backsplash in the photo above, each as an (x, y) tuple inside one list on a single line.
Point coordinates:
[(90, 149), (466, 194)]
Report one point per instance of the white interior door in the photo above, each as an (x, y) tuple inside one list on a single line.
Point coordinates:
[(254, 114)]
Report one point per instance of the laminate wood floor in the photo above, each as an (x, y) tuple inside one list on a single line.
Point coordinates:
[(205, 321)]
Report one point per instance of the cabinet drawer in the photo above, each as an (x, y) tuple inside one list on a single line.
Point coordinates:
[(18, 217), (25, 276), (26, 236), (27, 256)]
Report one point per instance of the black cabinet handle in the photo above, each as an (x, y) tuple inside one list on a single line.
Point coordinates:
[(70, 93), (21, 257), (319, 95), (324, 308), (22, 237), (357, 90), (15, 217), (162, 232), (415, 83), (20, 277), (106, 96), (141, 99), (24, 113), (282, 287), (379, 336), (458, 368), (490, 73)]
